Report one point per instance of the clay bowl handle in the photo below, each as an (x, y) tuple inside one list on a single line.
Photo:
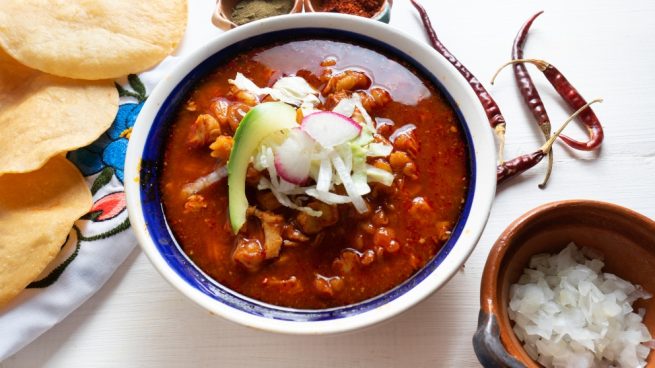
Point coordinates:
[(487, 345)]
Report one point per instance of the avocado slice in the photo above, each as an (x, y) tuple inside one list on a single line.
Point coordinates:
[(261, 121)]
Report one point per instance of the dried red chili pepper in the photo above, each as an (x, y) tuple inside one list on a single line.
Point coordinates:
[(509, 169), (524, 81), (490, 106), (529, 90), (573, 98)]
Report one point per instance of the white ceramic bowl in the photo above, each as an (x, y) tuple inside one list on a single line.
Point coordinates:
[(148, 136)]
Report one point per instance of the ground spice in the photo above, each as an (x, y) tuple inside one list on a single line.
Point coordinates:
[(363, 8), (246, 11)]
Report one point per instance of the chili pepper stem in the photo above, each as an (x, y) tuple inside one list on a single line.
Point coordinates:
[(540, 64), (549, 171), (500, 133), (546, 129), (518, 165), (549, 143)]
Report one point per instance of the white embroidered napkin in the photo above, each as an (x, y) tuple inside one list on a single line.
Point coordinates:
[(102, 240)]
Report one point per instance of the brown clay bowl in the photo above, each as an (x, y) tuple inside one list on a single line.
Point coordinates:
[(624, 237), (223, 12)]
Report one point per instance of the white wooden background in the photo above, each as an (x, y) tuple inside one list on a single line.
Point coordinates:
[(605, 47)]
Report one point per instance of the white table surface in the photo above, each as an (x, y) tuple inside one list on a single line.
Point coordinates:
[(606, 49)]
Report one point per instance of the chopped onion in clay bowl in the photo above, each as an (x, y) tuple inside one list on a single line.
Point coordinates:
[(620, 240)]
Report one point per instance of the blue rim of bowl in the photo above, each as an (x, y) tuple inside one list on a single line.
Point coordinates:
[(162, 235)]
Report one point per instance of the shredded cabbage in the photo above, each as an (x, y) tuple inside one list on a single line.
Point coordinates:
[(344, 164), (376, 175)]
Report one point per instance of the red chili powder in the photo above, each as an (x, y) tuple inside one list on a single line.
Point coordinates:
[(363, 8)]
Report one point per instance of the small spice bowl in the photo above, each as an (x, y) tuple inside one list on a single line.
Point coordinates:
[(223, 12), (625, 238), (383, 15)]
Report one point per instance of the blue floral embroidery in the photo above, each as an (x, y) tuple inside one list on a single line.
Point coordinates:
[(109, 150)]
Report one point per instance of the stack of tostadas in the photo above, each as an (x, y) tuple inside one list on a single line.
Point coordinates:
[(58, 59)]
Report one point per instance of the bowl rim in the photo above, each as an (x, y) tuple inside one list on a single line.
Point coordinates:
[(490, 286), (453, 82)]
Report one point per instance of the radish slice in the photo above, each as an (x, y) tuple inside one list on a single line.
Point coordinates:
[(293, 157), (329, 128)]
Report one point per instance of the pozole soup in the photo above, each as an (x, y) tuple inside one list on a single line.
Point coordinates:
[(347, 172)]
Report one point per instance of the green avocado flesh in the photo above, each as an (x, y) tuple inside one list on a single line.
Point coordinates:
[(260, 122)]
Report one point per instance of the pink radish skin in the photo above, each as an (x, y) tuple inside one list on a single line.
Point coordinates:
[(293, 157), (330, 128)]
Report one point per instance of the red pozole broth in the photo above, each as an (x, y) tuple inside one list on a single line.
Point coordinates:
[(348, 257)]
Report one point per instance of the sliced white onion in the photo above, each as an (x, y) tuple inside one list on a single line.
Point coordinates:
[(284, 200), (272, 171), (324, 180), (295, 91), (241, 82), (328, 197), (346, 179), (360, 180), (367, 118), (260, 160), (286, 187), (201, 183), (292, 90), (296, 87), (345, 151), (330, 129), (379, 150), (345, 107), (402, 130), (308, 106)]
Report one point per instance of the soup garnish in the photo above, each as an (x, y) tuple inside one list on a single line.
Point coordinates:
[(346, 173)]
